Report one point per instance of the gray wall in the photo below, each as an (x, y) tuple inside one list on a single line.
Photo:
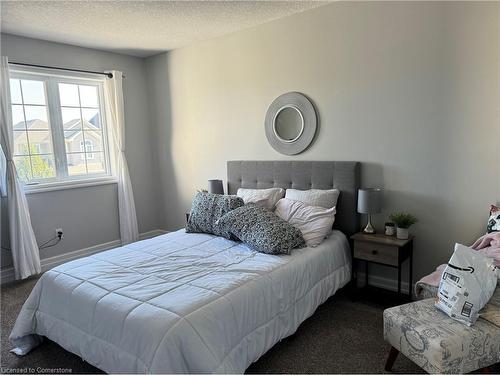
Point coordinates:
[(410, 89), (89, 216), (171, 208)]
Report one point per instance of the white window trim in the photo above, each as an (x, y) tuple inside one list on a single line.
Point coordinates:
[(70, 182), (63, 185)]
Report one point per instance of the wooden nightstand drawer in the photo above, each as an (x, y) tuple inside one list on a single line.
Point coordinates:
[(375, 252), (381, 249)]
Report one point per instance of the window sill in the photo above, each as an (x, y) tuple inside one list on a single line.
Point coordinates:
[(63, 185)]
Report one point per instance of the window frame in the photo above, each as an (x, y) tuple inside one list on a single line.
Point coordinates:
[(63, 180)]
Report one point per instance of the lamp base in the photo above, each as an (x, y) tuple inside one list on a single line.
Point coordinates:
[(369, 229)]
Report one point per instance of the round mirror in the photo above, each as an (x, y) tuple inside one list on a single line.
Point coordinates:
[(291, 123), (288, 124)]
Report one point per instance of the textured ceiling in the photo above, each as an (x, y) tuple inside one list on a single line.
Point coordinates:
[(140, 28)]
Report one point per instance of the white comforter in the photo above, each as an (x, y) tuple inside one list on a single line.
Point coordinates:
[(180, 303)]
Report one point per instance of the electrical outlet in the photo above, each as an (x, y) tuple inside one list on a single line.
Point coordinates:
[(59, 233)]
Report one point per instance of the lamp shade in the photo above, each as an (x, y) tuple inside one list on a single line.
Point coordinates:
[(215, 187), (369, 201)]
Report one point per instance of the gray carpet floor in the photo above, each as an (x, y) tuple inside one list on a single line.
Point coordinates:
[(343, 336)]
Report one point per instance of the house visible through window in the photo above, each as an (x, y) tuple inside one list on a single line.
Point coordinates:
[(58, 125), (87, 147)]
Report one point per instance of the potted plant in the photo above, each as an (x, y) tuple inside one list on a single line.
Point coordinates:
[(403, 221)]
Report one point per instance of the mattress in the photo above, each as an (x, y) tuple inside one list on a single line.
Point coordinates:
[(180, 303)]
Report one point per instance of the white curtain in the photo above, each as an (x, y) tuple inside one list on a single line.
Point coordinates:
[(3, 173), (25, 254), (116, 121)]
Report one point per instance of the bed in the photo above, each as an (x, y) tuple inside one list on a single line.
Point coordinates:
[(194, 302)]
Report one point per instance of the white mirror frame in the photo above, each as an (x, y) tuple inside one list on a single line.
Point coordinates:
[(301, 127)]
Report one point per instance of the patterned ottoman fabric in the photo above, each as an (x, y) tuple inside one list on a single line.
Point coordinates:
[(438, 343)]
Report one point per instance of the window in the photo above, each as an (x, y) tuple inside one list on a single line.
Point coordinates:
[(59, 127), (31, 130)]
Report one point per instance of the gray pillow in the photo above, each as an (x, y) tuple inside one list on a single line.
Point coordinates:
[(207, 208), (262, 229)]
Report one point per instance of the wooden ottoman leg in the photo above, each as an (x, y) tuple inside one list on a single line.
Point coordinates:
[(485, 370), (393, 354)]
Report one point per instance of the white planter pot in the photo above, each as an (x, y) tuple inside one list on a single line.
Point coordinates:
[(402, 233)]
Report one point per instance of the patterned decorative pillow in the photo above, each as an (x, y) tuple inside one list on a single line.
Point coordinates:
[(262, 229), (494, 220), (207, 208)]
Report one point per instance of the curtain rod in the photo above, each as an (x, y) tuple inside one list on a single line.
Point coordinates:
[(109, 75)]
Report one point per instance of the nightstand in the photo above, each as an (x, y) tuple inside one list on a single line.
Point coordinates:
[(385, 250)]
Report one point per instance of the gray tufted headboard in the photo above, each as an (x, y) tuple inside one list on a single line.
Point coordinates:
[(342, 175)]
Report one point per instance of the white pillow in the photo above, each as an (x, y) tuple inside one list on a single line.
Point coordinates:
[(263, 197), (314, 222), (314, 197)]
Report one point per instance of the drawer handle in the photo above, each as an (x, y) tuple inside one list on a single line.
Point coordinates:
[(374, 252)]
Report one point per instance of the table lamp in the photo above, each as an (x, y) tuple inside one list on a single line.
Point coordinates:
[(369, 202), (215, 187)]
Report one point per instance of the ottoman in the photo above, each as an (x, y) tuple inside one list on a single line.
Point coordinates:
[(438, 343)]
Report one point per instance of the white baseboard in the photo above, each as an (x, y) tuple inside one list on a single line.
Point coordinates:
[(7, 275), (383, 282)]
